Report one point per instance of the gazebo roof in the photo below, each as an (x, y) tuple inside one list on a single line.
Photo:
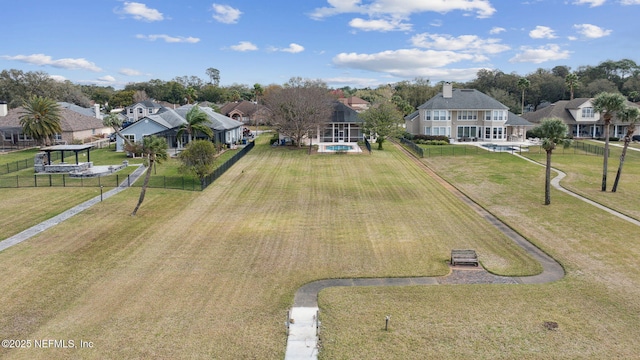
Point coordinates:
[(67, 148)]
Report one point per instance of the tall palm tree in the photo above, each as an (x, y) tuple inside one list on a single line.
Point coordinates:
[(115, 122), (523, 84), (607, 104), (155, 151), (553, 132), (630, 115), (40, 119), (571, 80), (196, 121)]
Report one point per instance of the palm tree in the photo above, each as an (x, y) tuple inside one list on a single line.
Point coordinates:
[(40, 119), (571, 80), (196, 121), (155, 150), (607, 104), (631, 115), (115, 122), (553, 132), (523, 84)]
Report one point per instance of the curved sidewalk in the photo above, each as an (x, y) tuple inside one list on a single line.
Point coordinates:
[(303, 331), (36, 229)]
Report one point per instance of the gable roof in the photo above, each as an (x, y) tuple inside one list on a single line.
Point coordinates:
[(78, 109), (515, 120), (463, 99), (244, 107), (344, 114), (217, 121), (70, 121)]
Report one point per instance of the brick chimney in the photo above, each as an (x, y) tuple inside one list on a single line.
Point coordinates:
[(447, 90), (3, 108)]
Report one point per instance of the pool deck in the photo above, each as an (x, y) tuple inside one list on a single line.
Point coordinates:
[(355, 148)]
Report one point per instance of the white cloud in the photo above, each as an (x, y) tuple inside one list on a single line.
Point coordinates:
[(140, 11), (58, 78), (66, 63), (226, 14), (244, 46), (169, 39), (407, 63), (463, 43), (591, 31), (352, 81), (630, 2), (542, 32), (107, 78), (482, 8), (540, 54), (497, 30), (379, 25), (293, 48), (129, 72), (591, 3)]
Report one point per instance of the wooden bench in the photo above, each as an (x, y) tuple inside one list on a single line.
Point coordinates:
[(467, 257)]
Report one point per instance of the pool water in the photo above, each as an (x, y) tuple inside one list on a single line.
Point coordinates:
[(495, 147), (338, 147)]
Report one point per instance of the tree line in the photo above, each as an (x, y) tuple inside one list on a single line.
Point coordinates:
[(544, 86)]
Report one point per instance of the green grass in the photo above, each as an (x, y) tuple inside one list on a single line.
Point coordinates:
[(595, 306), (211, 274)]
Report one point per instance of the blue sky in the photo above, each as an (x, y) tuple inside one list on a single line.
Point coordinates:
[(355, 43)]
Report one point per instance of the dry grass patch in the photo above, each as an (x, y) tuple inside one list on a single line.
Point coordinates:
[(26, 207), (596, 306), (211, 274)]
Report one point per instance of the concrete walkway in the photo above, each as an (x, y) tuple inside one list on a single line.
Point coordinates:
[(36, 229), (302, 342)]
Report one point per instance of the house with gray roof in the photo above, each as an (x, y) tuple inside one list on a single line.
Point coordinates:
[(140, 110), (466, 115), (166, 123), (580, 118)]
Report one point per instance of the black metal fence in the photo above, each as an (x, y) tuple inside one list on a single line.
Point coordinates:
[(577, 147), (23, 164), (165, 182), (228, 164)]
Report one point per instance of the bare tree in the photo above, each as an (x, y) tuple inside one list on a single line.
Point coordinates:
[(299, 107)]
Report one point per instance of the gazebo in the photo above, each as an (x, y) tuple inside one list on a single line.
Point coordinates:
[(46, 166)]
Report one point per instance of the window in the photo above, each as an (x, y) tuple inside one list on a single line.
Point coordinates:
[(497, 132), (441, 115), (499, 115), (587, 112), (467, 131), (57, 137), (130, 110), (437, 130), (7, 137), (427, 115), (130, 137), (140, 110), (468, 115)]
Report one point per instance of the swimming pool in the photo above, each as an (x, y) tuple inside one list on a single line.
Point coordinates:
[(495, 147), (338, 147)]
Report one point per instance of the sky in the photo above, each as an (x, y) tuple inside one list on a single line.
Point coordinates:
[(356, 43)]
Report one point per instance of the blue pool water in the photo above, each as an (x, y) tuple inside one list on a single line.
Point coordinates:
[(338, 147), (495, 147)]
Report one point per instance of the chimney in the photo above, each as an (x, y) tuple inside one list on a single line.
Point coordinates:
[(447, 90), (96, 108), (3, 108)]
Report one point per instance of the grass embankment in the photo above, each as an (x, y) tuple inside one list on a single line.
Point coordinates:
[(596, 306), (211, 274)]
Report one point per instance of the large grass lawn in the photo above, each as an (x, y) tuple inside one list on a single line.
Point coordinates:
[(596, 306), (211, 274)]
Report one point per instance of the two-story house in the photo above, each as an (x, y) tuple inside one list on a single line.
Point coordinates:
[(580, 118), (466, 115), (140, 110)]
